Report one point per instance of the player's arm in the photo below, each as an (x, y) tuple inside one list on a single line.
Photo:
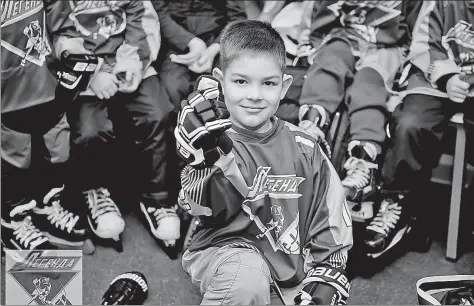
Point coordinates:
[(142, 39), (329, 240), (212, 184), (426, 50), (172, 32)]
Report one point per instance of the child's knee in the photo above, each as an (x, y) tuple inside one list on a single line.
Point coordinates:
[(243, 278)]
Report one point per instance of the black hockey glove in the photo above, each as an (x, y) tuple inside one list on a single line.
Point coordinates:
[(74, 72), (202, 122), (126, 289), (324, 286)]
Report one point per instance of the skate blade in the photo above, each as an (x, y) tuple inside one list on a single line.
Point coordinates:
[(86, 246), (395, 241)]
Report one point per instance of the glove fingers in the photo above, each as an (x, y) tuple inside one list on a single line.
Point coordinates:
[(225, 143)]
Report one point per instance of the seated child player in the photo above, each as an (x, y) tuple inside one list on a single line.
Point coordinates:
[(271, 207)]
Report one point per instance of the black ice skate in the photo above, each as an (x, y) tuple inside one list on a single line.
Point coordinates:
[(63, 228), (19, 233), (387, 228), (104, 217)]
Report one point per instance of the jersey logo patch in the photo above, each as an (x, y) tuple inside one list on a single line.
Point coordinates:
[(34, 45), (282, 229), (353, 13)]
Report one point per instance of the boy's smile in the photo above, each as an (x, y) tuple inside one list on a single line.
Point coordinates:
[(253, 85)]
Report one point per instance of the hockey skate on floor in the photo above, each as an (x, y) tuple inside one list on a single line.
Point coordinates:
[(19, 232), (362, 211), (388, 227), (104, 218), (164, 226), (64, 229)]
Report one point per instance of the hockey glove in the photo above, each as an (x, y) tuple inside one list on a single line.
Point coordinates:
[(202, 122), (74, 72), (324, 286), (126, 289)]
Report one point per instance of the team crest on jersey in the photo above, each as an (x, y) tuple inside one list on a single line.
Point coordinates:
[(353, 13), (282, 234), (34, 47), (461, 37), (96, 19)]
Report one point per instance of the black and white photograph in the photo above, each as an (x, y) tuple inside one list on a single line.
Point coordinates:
[(237, 152)]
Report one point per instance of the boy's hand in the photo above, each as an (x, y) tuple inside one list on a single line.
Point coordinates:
[(204, 63), (202, 122), (457, 89), (196, 48), (128, 81), (104, 85)]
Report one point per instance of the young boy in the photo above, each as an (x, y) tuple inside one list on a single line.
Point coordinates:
[(359, 51), (35, 137), (125, 36), (440, 85), (271, 206)]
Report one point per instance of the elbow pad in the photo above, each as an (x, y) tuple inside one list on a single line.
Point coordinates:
[(324, 286)]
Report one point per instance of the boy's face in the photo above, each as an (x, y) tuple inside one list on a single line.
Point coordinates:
[(253, 86)]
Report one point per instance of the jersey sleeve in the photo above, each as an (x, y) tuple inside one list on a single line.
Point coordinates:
[(330, 228), (214, 194), (142, 37), (426, 51)]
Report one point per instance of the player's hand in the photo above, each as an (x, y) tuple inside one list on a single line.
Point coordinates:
[(128, 81), (204, 63), (196, 48), (457, 89), (202, 122), (104, 85)]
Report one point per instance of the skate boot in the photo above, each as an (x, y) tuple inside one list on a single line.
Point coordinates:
[(360, 169), (387, 228), (104, 217), (163, 223), (63, 228), (19, 233)]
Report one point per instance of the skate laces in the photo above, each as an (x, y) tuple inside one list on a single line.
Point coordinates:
[(28, 234), (387, 217), (100, 202), (60, 217), (358, 172), (160, 213)]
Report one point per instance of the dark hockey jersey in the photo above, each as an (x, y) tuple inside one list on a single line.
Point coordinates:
[(26, 79), (443, 45), (123, 33), (378, 22), (275, 191)]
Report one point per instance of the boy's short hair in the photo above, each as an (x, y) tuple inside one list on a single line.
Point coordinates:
[(251, 36)]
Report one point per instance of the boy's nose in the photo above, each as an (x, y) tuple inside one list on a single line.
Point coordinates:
[(254, 94)]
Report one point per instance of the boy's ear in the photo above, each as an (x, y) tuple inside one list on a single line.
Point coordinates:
[(218, 74), (287, 80)]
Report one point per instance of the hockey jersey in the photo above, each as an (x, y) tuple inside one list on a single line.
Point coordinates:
[(443, 45), (277, 192), (122, 33), (380, 23), (26, 79)]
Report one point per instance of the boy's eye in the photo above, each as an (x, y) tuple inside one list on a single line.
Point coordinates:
[(240, 82), (269, 83)]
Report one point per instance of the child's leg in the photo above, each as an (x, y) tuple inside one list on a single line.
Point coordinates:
[(366, 99), (416, 129), (176, 79), (229, 276), (326, 79), (90, 165), (149, 110)]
